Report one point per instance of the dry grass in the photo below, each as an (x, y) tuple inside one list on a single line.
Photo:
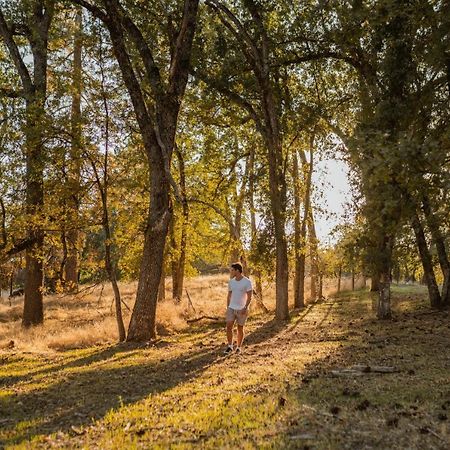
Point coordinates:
[(87, 319)]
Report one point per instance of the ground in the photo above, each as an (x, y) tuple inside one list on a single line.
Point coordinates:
[(289, 389)]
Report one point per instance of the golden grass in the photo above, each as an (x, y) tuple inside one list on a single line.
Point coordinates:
[(88, 318)]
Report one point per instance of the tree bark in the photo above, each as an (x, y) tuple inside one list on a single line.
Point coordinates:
[(72, 236), (307, 171), (299, 240), (251, 195), (439, 241), (375, 282), (384, 293), (34, 92), (157, 120), (339, 279), (314, 256), (427, 263)]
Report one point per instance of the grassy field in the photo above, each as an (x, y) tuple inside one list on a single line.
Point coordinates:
[(291, 388)]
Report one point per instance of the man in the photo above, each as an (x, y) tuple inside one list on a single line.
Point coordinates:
[(239, 297)]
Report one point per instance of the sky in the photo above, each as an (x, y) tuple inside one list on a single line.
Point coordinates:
[(331, 176)]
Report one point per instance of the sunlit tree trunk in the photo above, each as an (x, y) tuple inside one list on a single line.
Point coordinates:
[(71, 238), (157, 120)]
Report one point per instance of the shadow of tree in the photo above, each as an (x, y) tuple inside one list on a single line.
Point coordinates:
[(81, 396)]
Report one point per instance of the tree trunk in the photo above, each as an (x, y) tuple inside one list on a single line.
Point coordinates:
[(33, 312), (143, 319), (384, 293), (251, 193), (439, 241), (34, 91), (179, 258), (427, 263), (72, 236), (314, 255), (339, 279), (111, 270), (300, 262), (157, 120), (162, 286), (375, 282), (278, 207), (299, 239)]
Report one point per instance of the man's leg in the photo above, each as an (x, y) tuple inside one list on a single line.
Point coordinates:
[(240, 335), (230, 332)]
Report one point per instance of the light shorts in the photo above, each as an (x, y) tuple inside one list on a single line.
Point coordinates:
[(240, 315)]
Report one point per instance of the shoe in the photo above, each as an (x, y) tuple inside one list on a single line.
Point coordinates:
[(228, 350), (238, 350)]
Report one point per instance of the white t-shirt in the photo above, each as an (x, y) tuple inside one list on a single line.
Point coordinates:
[(239, 291)]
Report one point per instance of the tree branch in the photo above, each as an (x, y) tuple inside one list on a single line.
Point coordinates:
[(151, 68), (179, 66), (94, 10), (213, 207), (233, 96), (11, 93), (15, 55)]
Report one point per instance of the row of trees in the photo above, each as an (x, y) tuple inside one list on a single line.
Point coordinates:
[(156, 135)]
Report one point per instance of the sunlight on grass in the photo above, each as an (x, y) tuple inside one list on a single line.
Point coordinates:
[(181, 392)]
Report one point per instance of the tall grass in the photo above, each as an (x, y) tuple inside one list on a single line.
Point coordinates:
[(87, 318)]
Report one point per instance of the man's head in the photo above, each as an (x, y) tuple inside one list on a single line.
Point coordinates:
[(236, 269)]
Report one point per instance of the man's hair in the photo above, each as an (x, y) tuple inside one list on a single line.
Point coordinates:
[(237, 266)]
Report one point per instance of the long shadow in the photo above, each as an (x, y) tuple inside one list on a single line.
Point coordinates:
[(84, 396), (337, 410), (102, 354)]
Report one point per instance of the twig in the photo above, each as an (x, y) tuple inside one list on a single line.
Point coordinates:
[(202, 317), (190, 301), (121, 301), (101, 293)]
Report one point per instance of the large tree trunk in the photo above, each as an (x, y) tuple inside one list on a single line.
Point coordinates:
[(72, 235), (143, 319), (278, 206), (33, 312), (439, 241), (375, 282), (384, 293), (427, 263), (34, 89), (157, 120)]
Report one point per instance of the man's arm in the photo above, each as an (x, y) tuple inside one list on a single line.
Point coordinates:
[(249, 298)]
